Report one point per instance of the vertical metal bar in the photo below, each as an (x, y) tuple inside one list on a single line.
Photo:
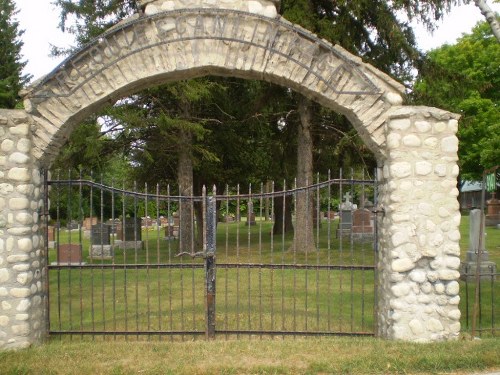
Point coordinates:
[(148, 272), (210, 268), (136, 260), (295, 263), (260, 252), (103, 299), (283, 227), (193, 235), (58, 242), (467, 312), (181, 246), (351, 244), (477, 286), (375, 249), (158, 258), (170, 281), (226, 280), (92, 269), (363, 195), (46, 218), (80, 276), (70, 286), (125, 261), (272, 258), (250, 215), (329, 251), (492, 288), (238, 260), (341, 252), (113, 223), (317, 247), (306, 261)]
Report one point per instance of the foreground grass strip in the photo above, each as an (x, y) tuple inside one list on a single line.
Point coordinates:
[(291, 356)]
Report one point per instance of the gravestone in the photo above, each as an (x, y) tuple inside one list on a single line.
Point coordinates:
[(362, 224), (171, 230), (69, 254), (131, 234), (493, 212), (132, 230), (101, 244), (100, 234), (345, 217), (469, 268)]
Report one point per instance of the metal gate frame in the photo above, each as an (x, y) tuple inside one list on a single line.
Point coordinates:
[(208, 254)]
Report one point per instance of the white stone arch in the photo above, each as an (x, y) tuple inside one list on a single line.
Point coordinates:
[(187, 43), (416, 148)]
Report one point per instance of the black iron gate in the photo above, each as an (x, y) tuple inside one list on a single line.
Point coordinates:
[(130, 263)]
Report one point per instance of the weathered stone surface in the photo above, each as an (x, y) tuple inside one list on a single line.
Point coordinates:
[(19, 174), (402, 265)]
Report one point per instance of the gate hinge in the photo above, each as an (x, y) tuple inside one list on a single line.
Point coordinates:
[(378, 210)]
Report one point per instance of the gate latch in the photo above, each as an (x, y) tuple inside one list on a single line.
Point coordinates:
[(199, 254)]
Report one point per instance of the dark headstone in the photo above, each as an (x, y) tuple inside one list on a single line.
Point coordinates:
[(100, 234), (132, 230), (345, 223), (345, 219)]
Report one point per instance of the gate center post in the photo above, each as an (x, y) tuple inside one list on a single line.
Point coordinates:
[(210, 264)]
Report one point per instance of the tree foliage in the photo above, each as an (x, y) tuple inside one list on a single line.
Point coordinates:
[(11, 78), (465, 78)]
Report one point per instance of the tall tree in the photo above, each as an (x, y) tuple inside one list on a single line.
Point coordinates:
[(11, 78), (490, 16), (465, 78), (370, 29)]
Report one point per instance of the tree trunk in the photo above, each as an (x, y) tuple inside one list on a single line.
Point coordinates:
[(282, 215), (490, 17), (304, 233), (185, 180)]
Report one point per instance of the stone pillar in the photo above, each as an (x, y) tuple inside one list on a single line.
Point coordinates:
[(22, 262), (419, 234)]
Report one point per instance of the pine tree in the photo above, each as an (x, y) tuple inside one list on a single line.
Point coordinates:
[(11, 78)]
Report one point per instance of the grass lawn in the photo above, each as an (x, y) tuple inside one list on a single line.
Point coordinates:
[(252, 310), (298, 356)]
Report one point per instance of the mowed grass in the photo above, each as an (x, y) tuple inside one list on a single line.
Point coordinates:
[(299, 356), (249, 354), (257, 298)]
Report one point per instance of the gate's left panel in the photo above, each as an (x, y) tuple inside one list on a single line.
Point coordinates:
[(22, 267), (113, 264)]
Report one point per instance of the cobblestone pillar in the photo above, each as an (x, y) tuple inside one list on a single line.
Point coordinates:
[(419, 238), (22, 264)]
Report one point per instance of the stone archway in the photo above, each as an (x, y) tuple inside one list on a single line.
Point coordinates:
[(416, 148)]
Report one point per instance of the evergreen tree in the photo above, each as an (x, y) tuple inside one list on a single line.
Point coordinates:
[(11, 78)]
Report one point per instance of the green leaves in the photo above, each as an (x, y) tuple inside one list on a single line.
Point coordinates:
[(465, 78)]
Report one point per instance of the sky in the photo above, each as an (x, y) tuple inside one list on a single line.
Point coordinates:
[(39, 19)]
